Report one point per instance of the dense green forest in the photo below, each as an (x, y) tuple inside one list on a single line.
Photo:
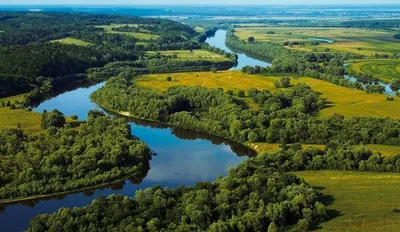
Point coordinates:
[(283, 117), (99, 151), (27, 50), (255, 196)]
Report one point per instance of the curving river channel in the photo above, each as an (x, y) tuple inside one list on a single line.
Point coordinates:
[(183, 157)]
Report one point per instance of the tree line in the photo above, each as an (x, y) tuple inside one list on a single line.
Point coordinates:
[(283, 117)]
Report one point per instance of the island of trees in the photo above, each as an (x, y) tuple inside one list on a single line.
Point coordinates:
[(99, 151)]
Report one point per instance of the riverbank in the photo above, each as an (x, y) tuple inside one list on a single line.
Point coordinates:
[(53, 195)]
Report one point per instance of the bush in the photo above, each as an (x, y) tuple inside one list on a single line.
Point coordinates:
[(74, 117), (241, 93), (390, 99), (169, 78)]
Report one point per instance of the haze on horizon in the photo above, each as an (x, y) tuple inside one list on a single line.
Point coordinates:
[(203, 2)]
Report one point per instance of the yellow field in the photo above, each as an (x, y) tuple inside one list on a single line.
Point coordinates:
[(358, 201), (342, 100), (138, 35), (365, 42), (69, 40), (197, 54), (29, 121)]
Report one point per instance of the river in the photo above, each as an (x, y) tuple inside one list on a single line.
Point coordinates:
[(183, 157)]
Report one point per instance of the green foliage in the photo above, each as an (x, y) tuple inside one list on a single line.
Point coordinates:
[(395, 85), (100, 151), (169, 78), (283, 117), (374, 88), (53, 119), (253, 197)]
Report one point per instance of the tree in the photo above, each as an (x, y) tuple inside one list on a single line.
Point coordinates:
[(74, 117), (277, 84), (54, 118), (169, 78), (251, 39), (214, 70), (240, 93), (285, 82)]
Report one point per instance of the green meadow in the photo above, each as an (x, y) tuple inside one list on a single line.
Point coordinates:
[(73, 41), (385, 69), (352, 40), (358, 201)]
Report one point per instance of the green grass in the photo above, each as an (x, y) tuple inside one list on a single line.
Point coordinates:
[(342, 100), (385, 69), (143, 35), (29, 121), (358, 201), (70, 40), (365, 42), (197, 54)]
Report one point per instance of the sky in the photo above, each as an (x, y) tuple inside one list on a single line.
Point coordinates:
[(202, 2)]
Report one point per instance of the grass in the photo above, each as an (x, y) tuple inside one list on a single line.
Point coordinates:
[(365, 42), (70, 40), (346, 101), (358, 201), (272, 147), (143, 35), (29, 121), (197, 54), (385, 69)]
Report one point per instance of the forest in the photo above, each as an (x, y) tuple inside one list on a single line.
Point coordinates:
[(255, 196), (99, 151), (284, 117), (27, 51)]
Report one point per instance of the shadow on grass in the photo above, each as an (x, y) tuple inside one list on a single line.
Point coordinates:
[(327, 200)]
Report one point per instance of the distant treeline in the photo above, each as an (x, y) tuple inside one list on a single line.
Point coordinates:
[(387, 24)]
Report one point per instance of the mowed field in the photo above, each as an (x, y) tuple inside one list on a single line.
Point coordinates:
[(29, 121), (196, 54), (70, 40), (143, 35), (358, 201), (272, 147), (342, 100), (365, 42), (385, 69)]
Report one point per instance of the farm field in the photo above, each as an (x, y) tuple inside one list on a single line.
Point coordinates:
[(138, 35), (346, 101), (385, 69), (271, 147), (358, 201), (364, 42), (196, 54), (69, 40)]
